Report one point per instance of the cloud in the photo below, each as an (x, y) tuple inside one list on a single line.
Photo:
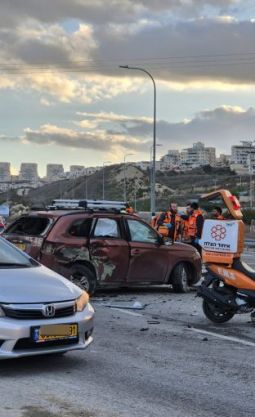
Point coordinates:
[(113, 117), (200, 51), (96, 11), (97, 140), (82, 65), (57, 63), (221, 127), (45, 102)]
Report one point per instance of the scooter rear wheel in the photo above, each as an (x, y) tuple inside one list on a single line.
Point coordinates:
[(217, 314)]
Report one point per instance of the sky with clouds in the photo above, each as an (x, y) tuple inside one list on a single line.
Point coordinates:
[(64, 98)]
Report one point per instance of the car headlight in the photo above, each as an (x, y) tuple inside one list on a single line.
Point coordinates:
[(82, 301), (2, 313)]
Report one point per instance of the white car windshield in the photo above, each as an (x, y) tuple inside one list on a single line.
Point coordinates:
[(11, 256)]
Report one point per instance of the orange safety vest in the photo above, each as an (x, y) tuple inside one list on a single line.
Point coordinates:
[(153, 221), (192, 223), (163, 230), (185, 228)]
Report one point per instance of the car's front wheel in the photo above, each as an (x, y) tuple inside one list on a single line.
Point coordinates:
[(180, 278), (83, 277)]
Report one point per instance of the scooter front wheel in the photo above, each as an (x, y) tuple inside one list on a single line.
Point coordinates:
[(217, 314)]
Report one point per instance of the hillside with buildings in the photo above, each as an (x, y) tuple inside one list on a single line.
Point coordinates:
[(180, 175), (131, 183)]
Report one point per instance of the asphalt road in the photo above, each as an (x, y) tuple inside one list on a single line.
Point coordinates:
[(166, 360)]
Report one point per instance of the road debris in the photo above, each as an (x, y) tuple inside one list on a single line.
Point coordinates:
[(153, 322)]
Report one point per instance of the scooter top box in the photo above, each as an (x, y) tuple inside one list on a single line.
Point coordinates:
[(222, 236)]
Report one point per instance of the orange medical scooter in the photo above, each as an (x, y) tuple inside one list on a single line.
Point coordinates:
[(229, 284)]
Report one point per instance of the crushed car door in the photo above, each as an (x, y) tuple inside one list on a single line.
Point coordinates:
[(148, 259), (67, 243), (109, 251)]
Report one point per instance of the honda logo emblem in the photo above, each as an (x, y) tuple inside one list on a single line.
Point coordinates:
[(49, 310)]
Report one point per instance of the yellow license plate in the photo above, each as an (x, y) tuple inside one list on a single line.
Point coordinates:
[(54, 332), (21, 246)]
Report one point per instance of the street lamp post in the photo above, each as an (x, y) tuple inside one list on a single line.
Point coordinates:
[(151, 169), (86, 187), (125, 185), (153, 174), (250, 172), (135, 195), (250, 169)]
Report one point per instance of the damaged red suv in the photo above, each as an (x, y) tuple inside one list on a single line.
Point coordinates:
[(104, 249)]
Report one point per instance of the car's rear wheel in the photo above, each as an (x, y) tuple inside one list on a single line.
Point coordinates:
[(83, 277), (180, 278)]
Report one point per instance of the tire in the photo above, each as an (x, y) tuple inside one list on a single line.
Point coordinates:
[(180, 278), (216, 314), (83, 277)]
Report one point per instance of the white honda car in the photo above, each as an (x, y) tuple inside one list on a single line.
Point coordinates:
[(40, 311)]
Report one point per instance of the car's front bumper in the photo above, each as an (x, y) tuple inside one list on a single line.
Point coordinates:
[(15, 335)]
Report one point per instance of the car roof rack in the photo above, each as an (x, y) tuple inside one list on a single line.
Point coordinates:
[(89, 205)]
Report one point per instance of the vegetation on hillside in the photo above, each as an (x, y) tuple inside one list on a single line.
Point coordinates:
[(170, 186)]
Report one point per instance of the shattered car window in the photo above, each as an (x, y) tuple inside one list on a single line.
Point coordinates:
[(106, 228), (32, 225), (139, 232)]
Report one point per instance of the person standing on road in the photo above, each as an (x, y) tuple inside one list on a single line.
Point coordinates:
[(168, 223), (153, 220), (194, 221), (217, 213), (129, 209)]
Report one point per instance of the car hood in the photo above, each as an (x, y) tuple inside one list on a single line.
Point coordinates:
[(35, 285)]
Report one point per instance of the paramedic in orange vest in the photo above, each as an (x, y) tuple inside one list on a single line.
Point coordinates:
[(217, 213), (153, 220), (129, 209), (195, 223), (185, 225), (169, 223)]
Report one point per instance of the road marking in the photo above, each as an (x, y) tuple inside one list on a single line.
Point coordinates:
[(221, 336), (131, 313)]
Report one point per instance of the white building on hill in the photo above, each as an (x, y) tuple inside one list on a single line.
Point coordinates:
[(197, 156), (5, 171), (54, 172), (28, 172), (243, 157)]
